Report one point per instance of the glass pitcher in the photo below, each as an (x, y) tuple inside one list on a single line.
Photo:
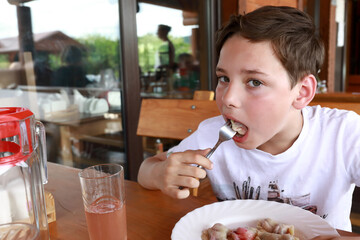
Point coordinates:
[(23, 172)]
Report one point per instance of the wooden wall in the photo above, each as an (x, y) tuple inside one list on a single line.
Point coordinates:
[(250, 5)]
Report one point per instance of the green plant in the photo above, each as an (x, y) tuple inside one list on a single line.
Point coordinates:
[(4, 62), (149, 44), (101, 53)]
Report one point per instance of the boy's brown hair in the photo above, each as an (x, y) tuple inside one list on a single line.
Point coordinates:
[(291, 33)]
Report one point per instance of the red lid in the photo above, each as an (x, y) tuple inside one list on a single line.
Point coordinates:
[(9, 127), (9, 120), (14, 113)]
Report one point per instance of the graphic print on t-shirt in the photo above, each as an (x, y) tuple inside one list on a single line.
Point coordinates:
[(247, 191), (274, 193)]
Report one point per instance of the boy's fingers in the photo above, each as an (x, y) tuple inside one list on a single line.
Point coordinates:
[(191, 171), (186, 182), (196, 157), (183, 193), (178, 193)]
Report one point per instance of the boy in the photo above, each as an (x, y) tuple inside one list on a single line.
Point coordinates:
[(284, 151)]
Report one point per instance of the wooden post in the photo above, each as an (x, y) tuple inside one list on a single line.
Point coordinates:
[(131, 86), (26, 41), (328, 34), (246, 6), (228, 8)]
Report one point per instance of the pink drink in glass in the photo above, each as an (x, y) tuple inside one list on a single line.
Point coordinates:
[(106, 219)]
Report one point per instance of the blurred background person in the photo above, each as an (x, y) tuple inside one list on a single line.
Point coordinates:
[(189, 73), (166, 50), (43, 72), (72, 73), (165, 65)]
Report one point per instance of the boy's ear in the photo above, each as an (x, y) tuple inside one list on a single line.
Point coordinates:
[(306, 91)]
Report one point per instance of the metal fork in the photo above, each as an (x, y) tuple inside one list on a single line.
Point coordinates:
[(225, 133)]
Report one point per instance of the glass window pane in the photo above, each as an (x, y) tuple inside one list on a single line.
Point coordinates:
[(70, 79), (168, 51)]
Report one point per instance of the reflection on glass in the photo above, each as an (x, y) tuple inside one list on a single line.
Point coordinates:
[(166, 50), (73, 74), (168, 55)]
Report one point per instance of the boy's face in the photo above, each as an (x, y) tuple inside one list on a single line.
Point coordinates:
[(254, 90)]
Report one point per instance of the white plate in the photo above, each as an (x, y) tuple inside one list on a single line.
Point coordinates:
[(246, 213)]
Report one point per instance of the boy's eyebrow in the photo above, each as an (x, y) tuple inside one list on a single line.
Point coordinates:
[(248, 71), (253, 71), (218, 69)]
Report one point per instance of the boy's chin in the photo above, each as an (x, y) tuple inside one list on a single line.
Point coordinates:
[(245, 146)]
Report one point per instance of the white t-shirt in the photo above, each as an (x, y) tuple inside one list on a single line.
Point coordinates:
[(318, 172)]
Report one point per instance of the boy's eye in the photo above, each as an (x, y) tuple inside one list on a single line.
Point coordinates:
[(223, 79), (254, 83)]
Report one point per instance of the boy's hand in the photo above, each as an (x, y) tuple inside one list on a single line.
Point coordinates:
[(178, 175)]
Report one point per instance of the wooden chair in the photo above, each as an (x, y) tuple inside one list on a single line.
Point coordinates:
[(353, 106), (173, 118), (176, 119), (203, 95), (337, 97), (149, 143)]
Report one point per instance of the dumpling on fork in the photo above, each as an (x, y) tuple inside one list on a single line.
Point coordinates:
[(241, 129)]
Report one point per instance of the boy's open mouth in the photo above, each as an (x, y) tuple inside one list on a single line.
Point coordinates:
[(239, 128)]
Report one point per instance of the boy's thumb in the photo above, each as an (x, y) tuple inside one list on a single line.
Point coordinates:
[(204, 151)]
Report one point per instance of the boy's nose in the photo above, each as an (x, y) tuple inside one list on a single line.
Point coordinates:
[(232, 96)]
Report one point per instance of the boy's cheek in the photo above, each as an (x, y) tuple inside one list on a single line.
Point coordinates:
[(219, 101), (219, 92)]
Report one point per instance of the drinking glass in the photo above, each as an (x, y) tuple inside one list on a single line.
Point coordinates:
[(103, 196)]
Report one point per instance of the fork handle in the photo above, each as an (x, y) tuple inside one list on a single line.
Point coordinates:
[(213, 149), (211, 152)]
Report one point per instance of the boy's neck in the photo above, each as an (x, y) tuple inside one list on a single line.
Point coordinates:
[(285, 139)]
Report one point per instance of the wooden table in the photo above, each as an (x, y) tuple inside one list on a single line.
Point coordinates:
[(150, 214)]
